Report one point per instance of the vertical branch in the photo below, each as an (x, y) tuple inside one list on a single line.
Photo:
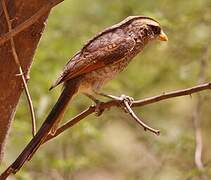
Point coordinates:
[(196, 116), (198, 135), (20, 69)]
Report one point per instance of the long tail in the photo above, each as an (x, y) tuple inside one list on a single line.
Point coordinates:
[(54, 116)]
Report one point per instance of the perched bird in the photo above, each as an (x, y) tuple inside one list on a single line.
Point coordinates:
[(99, 61)]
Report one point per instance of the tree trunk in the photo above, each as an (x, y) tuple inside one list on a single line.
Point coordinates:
[(26, 42)]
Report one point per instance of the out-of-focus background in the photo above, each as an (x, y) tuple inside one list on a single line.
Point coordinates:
[(113, 146)]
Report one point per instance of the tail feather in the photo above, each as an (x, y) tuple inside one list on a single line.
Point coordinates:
[(53, 118)]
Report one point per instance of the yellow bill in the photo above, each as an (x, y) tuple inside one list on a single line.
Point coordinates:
[(163, 36)]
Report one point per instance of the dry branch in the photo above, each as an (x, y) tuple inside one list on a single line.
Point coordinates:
[(138, 103), (107, 105), (16, 59), (114, 103), (139, 120)]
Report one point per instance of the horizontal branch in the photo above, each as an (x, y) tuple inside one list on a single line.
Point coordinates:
[(72, 122), (146, 101), (173, 94), (118, 103)]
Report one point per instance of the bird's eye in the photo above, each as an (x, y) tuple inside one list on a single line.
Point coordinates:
[(155, 29)]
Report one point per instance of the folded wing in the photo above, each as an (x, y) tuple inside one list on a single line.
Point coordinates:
[(104, 50)]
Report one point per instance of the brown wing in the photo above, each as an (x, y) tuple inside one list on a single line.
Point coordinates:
[(104, 50)]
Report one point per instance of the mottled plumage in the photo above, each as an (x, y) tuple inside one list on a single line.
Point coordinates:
[(108, 53), (103, 57)]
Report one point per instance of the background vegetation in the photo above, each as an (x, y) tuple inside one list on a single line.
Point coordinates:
[(113, 146)]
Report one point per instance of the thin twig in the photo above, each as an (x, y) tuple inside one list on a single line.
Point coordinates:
[(142, 102), (107, 105), (139, 120), (20, 69), (29, 22)]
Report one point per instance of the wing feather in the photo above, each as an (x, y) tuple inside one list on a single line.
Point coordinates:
[(106, 49)]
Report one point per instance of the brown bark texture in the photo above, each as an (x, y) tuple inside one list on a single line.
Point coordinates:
[(26, 41)]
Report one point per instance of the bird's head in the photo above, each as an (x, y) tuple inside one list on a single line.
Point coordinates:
[(147, 28)]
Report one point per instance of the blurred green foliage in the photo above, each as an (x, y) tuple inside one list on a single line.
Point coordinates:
[(113, 146)]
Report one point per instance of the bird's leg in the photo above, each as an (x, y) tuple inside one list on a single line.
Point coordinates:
[(98, 111), (121, 98), (92, 98), (118, 98)]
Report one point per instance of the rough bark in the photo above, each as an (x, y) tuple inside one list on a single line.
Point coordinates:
[(26, 42)]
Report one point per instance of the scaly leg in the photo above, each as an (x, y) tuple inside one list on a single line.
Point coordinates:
[(92, 98), (118, 98), (97, 102)]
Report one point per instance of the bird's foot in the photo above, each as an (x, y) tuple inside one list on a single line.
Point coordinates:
[(97, 105), (122, 99), (128, 99), (119, 98)]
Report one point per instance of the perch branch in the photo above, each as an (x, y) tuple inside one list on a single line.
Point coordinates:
[(107, 105), (72, 122), (173, 94), (142, 102), (29, 99)]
